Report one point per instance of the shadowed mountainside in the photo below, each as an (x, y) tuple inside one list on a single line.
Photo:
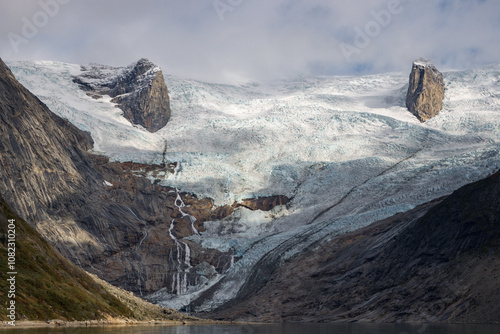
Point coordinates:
[(437, 262)]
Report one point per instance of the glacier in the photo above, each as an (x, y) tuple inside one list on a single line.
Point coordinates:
[(344, 149)]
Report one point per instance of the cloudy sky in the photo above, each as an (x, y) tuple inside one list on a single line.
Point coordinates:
[(254, 40)]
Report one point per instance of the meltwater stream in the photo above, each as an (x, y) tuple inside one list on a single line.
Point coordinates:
[(183, 252)]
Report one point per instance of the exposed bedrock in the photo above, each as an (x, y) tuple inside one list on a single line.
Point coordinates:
[(425, 91), (139, 90)]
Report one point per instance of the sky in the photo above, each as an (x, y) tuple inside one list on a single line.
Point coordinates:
[(238, 41)]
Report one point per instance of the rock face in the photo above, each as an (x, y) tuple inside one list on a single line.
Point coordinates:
[(139, 90), (262, 203), (437, 262), (426, 90)]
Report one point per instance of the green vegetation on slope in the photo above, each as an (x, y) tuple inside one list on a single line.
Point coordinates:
[(47, 285)]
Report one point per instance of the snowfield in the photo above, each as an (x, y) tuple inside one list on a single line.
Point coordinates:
[(344, 149)]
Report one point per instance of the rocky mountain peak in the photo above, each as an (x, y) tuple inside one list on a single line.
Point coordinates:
[(425, 91), (143, 65), (424, 62), (138, 89)]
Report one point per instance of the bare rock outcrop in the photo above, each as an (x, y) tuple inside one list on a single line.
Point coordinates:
[(139, 90), (426, 90), (262, 203)]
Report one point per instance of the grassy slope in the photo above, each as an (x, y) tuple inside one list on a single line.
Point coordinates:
[(49, 286)]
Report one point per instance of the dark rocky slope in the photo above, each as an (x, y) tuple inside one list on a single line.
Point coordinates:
[(425, 94), (139, 90), (437, 262)]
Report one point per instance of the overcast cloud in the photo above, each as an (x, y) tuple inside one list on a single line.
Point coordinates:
[(239, 40)]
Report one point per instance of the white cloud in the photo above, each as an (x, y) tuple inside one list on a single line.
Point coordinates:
[(258, 39)]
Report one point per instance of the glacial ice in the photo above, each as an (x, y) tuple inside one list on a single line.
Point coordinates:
[(344, 149)]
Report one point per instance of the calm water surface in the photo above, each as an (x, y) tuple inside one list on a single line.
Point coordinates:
[(275, 329)]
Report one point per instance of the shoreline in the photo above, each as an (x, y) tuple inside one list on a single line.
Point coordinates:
[(109, 323)]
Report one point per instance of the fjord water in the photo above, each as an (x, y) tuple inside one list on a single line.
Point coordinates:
[(290, 328)]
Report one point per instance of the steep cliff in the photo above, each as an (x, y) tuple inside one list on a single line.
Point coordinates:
[(139, 90), (437, 262), (44, 160), (425, 94)]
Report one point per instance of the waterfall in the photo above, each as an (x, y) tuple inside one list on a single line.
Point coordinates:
[(179, 203), (183, 259), (183, 252)]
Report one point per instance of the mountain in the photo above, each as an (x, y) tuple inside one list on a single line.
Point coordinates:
[(48, 286), (139, 90), (425, 90), (106, 217), (437, 262), (43, 158), (333, 154)]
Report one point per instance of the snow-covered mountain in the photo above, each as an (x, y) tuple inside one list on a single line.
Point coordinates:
[(344, 149), (139, 90)]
